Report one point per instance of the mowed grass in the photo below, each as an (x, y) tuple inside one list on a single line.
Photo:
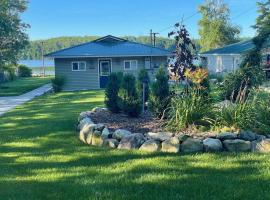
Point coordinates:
[(42, 158), (22, 85)]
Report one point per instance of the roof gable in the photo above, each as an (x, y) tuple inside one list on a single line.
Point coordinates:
[(110, 46), (109, 38)]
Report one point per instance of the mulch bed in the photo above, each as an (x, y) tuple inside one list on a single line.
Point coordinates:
[(143, 124)]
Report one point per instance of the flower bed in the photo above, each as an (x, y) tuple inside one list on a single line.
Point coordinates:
[(118, 132)]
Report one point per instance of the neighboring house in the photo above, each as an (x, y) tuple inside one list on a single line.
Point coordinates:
[(228, 58), (88, 65)]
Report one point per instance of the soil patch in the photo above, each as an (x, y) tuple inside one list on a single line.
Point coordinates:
[(143, 124)]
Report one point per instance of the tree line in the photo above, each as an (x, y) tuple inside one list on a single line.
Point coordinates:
[(33, 50)]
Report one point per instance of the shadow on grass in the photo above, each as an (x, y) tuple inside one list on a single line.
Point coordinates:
[(40, 158)]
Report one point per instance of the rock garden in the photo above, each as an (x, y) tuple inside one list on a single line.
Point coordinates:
[(99, 134)]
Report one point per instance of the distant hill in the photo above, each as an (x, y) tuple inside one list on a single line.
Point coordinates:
[(34, 49)]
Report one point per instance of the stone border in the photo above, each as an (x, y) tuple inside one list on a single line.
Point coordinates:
[(99, 135)]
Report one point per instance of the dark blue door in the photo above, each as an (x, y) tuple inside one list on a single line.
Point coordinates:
[(104, 72)]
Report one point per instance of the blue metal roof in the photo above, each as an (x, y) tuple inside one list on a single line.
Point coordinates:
[(110, 46), (236, 48)]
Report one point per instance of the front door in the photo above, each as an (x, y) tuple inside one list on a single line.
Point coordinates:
[(104, 72)]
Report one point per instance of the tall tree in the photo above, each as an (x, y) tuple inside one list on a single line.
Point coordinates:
[(12, 30), (215, 29), (263, 20)]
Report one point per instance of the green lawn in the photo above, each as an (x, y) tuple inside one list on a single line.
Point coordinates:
[(22, 85), (41, 158)]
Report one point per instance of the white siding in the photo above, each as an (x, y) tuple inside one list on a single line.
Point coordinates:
[(229, 63)]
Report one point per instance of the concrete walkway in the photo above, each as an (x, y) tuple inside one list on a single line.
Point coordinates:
[(8, 103)]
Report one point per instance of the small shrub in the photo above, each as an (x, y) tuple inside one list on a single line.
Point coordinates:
[(263, 117), (129, 101), (132, 107), (58, 83), (24, 71), (143, 77), (160, 95), (189, 108), (237, 116), (111, 92)]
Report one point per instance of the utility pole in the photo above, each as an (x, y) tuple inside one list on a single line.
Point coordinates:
[(155, 38), (42, 52)]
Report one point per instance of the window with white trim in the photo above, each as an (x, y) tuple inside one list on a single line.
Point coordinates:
[(130, 64), (78, 66)]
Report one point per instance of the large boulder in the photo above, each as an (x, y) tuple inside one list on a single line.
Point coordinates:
[(260, 137), (97, 140), (83, 122), (98, 109), (111, 143), (192, 145), (151, 146), (133, 141), (86, 114), (121, 133), (182, 137), (227, 136), (172, 145), (161, 136), (247, 135), (237, 145), (105, 133), (212, 145), (85, 131), (262, 146), (100, 127)]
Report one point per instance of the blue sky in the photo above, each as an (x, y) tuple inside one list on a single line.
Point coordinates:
[(53, 18)]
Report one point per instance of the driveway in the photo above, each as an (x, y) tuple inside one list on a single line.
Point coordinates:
[(8, 103)]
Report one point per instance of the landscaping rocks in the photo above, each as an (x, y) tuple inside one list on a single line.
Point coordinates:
[(212, 145), (83, 122), (99, 135), (86, 130), (192, 145), (227, 136), (161, 136), (97, 140), (100, 127), (106, 133), (171, 145), (83, 115), (121, 133), (111, 143), (260, 137), (182, 137), (247, 135), (98, 109), (262, 146), (151, 146), (237, 145), (132, 141)]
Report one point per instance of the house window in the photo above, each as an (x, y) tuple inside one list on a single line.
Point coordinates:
[(147, 63), (130, 64), (219, 64), (78, 66)]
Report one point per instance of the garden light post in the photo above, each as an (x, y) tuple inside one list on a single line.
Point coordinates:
[(144, 82)]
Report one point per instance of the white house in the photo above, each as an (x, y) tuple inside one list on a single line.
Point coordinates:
[(226, 59)]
